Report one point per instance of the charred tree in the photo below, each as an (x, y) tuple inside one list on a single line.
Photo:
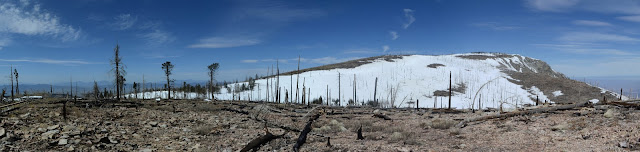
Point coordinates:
[(375, 90), (450, 90), (212, 72), (167, 67), (303, 135), (360, 137)]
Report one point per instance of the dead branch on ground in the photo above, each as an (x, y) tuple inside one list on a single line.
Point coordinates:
[(527, 112)]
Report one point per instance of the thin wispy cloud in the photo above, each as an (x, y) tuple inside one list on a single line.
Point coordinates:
[(249, 61), (161, 56), (551, 5), (635, 18), (27, 18), (394, 35), (599, 6), (591, 23), (385, 48), (223, 42), (153, 33), (330, 60), (321, 60), (603, 66), (124, 21), (408, 14), (495, 26), (361, 51), (4, 42), (596, 37), (274, 11), (585, 49), (255, 20), (157, 37), (48, 61)]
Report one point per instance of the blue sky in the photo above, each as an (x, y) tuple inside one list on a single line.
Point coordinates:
[(49, 41)]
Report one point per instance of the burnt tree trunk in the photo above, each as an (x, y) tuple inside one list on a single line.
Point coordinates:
[(303, 135)]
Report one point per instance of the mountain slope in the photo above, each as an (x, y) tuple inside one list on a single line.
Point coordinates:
[(491, 78)]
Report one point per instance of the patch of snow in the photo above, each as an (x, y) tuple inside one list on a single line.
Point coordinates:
[(406, 76), (557, 93), (594, 100), (536, 93)]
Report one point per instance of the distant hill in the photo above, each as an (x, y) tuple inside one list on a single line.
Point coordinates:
[(494, 79), (509, 79)]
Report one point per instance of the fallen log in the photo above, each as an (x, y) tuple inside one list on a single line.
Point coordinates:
[(303, 135), (236, 111), (624, 104), (255, 144), (527, 112), (385, 117)]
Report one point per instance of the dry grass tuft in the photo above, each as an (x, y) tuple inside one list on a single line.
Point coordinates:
[(440, 123), (332, 127)]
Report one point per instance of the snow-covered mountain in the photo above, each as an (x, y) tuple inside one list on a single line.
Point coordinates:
[(490, 78)]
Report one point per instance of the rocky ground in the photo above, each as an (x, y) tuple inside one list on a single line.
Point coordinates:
[(229, 126)]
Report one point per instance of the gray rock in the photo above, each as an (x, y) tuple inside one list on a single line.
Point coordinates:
[(71, 148), (53, 127), (153, 124), (146, 150), (163, 125), (112, 139), (62, 142), (623, 144), (49, 134), (609, 114), (2, 132)]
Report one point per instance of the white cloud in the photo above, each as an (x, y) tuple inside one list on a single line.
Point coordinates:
[(4, 42), (322, 60), (361, 51), (394, 35), (48, 61), (27, 18), (385, 48), (273, 11), (596, 37), (249, 61), (591, 23), (635, 18), (600, 6), (495, 26), (222, 42), (599, 66), (157, 37), (597, 51), (408, 14), (584, 48), (551, 5), (124, 21), (330, 60)]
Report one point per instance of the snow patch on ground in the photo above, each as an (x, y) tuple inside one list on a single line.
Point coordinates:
[(539, 94), (406, 76), (594, 100), (411, 80), (557, 93)]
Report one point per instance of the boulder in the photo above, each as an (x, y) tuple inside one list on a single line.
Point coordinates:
[(2, 132), (49, 134), (53, 127), (62, 141), (610, 113)]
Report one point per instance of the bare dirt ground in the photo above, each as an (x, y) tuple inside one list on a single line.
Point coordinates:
[(229, 126)]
